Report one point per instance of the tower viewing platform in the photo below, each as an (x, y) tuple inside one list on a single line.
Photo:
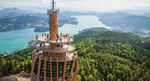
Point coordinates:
[(54, 57), (61, 39)]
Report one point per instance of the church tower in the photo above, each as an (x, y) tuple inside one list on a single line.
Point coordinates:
[(54, 57)]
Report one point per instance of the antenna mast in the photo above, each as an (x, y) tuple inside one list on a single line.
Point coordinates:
[(53, 5)]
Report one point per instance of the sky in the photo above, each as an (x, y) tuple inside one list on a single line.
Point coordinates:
[(79, 5)]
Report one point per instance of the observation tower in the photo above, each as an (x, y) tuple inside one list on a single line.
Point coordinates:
[(54, 57)]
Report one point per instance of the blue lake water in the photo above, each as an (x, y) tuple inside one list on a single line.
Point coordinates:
[(18, 39)]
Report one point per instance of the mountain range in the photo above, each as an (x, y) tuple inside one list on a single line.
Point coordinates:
[(11, 19), (122, 21), (135, 21)]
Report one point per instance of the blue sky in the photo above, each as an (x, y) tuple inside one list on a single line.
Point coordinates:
[(83, 5)]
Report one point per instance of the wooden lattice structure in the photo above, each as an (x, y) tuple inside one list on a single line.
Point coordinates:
[(54, 58)]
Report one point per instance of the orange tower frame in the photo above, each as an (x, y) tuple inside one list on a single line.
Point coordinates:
[(54, 57)]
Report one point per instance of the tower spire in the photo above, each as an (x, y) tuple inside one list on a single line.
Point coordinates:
[(53, 5), (53, 25)]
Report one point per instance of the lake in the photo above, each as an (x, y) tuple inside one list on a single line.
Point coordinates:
[(18, 39)]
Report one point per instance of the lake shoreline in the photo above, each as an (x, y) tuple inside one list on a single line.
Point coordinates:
[(11, 41)]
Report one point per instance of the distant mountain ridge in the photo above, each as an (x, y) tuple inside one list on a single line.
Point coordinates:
[(8, 10), (139, 11), (13, 18), (126, 22)]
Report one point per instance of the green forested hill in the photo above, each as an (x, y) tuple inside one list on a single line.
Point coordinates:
[(112, 56), (104, 56)]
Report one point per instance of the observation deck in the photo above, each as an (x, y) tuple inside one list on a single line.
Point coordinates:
[(58, 49), (61, 39), (63, 44)]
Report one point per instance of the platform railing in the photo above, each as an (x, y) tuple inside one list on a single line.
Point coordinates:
[(60, 38)]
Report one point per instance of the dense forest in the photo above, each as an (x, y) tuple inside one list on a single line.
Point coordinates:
[(104, 56), (16, 62), (112, 56)]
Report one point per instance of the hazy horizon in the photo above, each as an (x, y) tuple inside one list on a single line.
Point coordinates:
[(78, 5)]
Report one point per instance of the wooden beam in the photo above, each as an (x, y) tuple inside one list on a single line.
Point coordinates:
[(64, 71), (76, 72), (57, 70), (45, 77), (39, 68), (33, 61), (51, 69), (70, 74)]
